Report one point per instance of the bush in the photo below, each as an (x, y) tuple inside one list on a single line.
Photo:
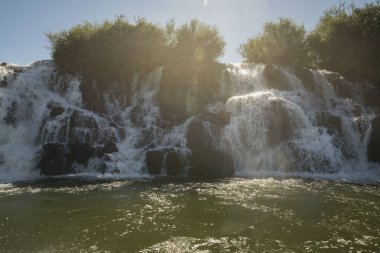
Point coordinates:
[(117, 49), (347, 40), (281, 42), (113, 50)]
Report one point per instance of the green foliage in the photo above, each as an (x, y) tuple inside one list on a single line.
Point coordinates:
[(347, 40), (117, 49), (281, 42), (197, 42), (113, 49)]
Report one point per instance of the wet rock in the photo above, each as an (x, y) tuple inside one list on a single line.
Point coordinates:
[(82, 152), (154, 160), (11, 117), (55, 160), (211, 164), (207, 159), (97, 164), (373, 149), (2, 158), (331, 122), (56, 111), (109, 148), (184, 92), (276, 78), (279, 124), (306, 77), (302, 160), (173, 163), (76, 126), (92, 97)]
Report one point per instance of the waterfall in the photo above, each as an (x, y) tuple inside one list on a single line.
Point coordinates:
[(297, 129), (278, 122)]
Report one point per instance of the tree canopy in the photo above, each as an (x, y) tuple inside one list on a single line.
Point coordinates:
[(281, 42), (347, 40), (118, 49)]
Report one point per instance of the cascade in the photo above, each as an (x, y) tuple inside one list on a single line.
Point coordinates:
[(272, 120)]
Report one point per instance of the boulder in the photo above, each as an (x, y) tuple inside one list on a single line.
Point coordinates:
[(203, 138), (56, 111), (82, 152), (173, 163), (75, 126), (109, 148), (211, 164), (184, 92), (2, 158), (55, 160), (279, 124), (154, 160), (276, 79), (11, 117), (373, 149), (331, 122)]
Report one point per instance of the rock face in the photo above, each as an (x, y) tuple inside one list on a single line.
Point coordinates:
[(74, 126), (55, 160), (208, 160), (276, 79), (374, 142), (154, 160), (58, 158), (279, 124), (159, 161), (183, 94)]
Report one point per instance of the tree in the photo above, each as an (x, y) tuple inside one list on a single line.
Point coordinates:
[(281, 42), (347, 40)]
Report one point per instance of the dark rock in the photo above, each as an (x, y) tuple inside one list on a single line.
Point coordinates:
[(301, 160), (173, 163), (154, 160), (55, 160), (276, 78), (11, 117), (107, 157), (92, 97), (82, 152), (331, 122), (3, 64), (98, 165), (221, 118), (279, 124), (4, 81), (211, 164), (56, 111), (184, 92), (76, 126), (306, 77), (109, 148), (207, 160), (2, 158), (373, 149)]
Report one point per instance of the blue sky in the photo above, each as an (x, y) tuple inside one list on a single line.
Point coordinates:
[(24, 22)]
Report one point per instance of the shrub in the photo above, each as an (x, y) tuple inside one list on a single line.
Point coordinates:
[(347, 40), (281, 42)]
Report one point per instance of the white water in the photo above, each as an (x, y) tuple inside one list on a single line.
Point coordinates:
[(256, 113), (254, 135)]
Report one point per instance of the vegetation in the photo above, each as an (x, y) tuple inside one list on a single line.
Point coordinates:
[(117, 49), (282, 42), (347, 40)]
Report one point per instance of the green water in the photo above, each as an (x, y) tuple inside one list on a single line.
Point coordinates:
[(162, 215)]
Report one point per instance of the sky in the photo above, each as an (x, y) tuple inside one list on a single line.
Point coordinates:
[(23, 23)]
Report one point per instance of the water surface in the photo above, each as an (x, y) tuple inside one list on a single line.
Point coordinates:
[(166, 215)]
